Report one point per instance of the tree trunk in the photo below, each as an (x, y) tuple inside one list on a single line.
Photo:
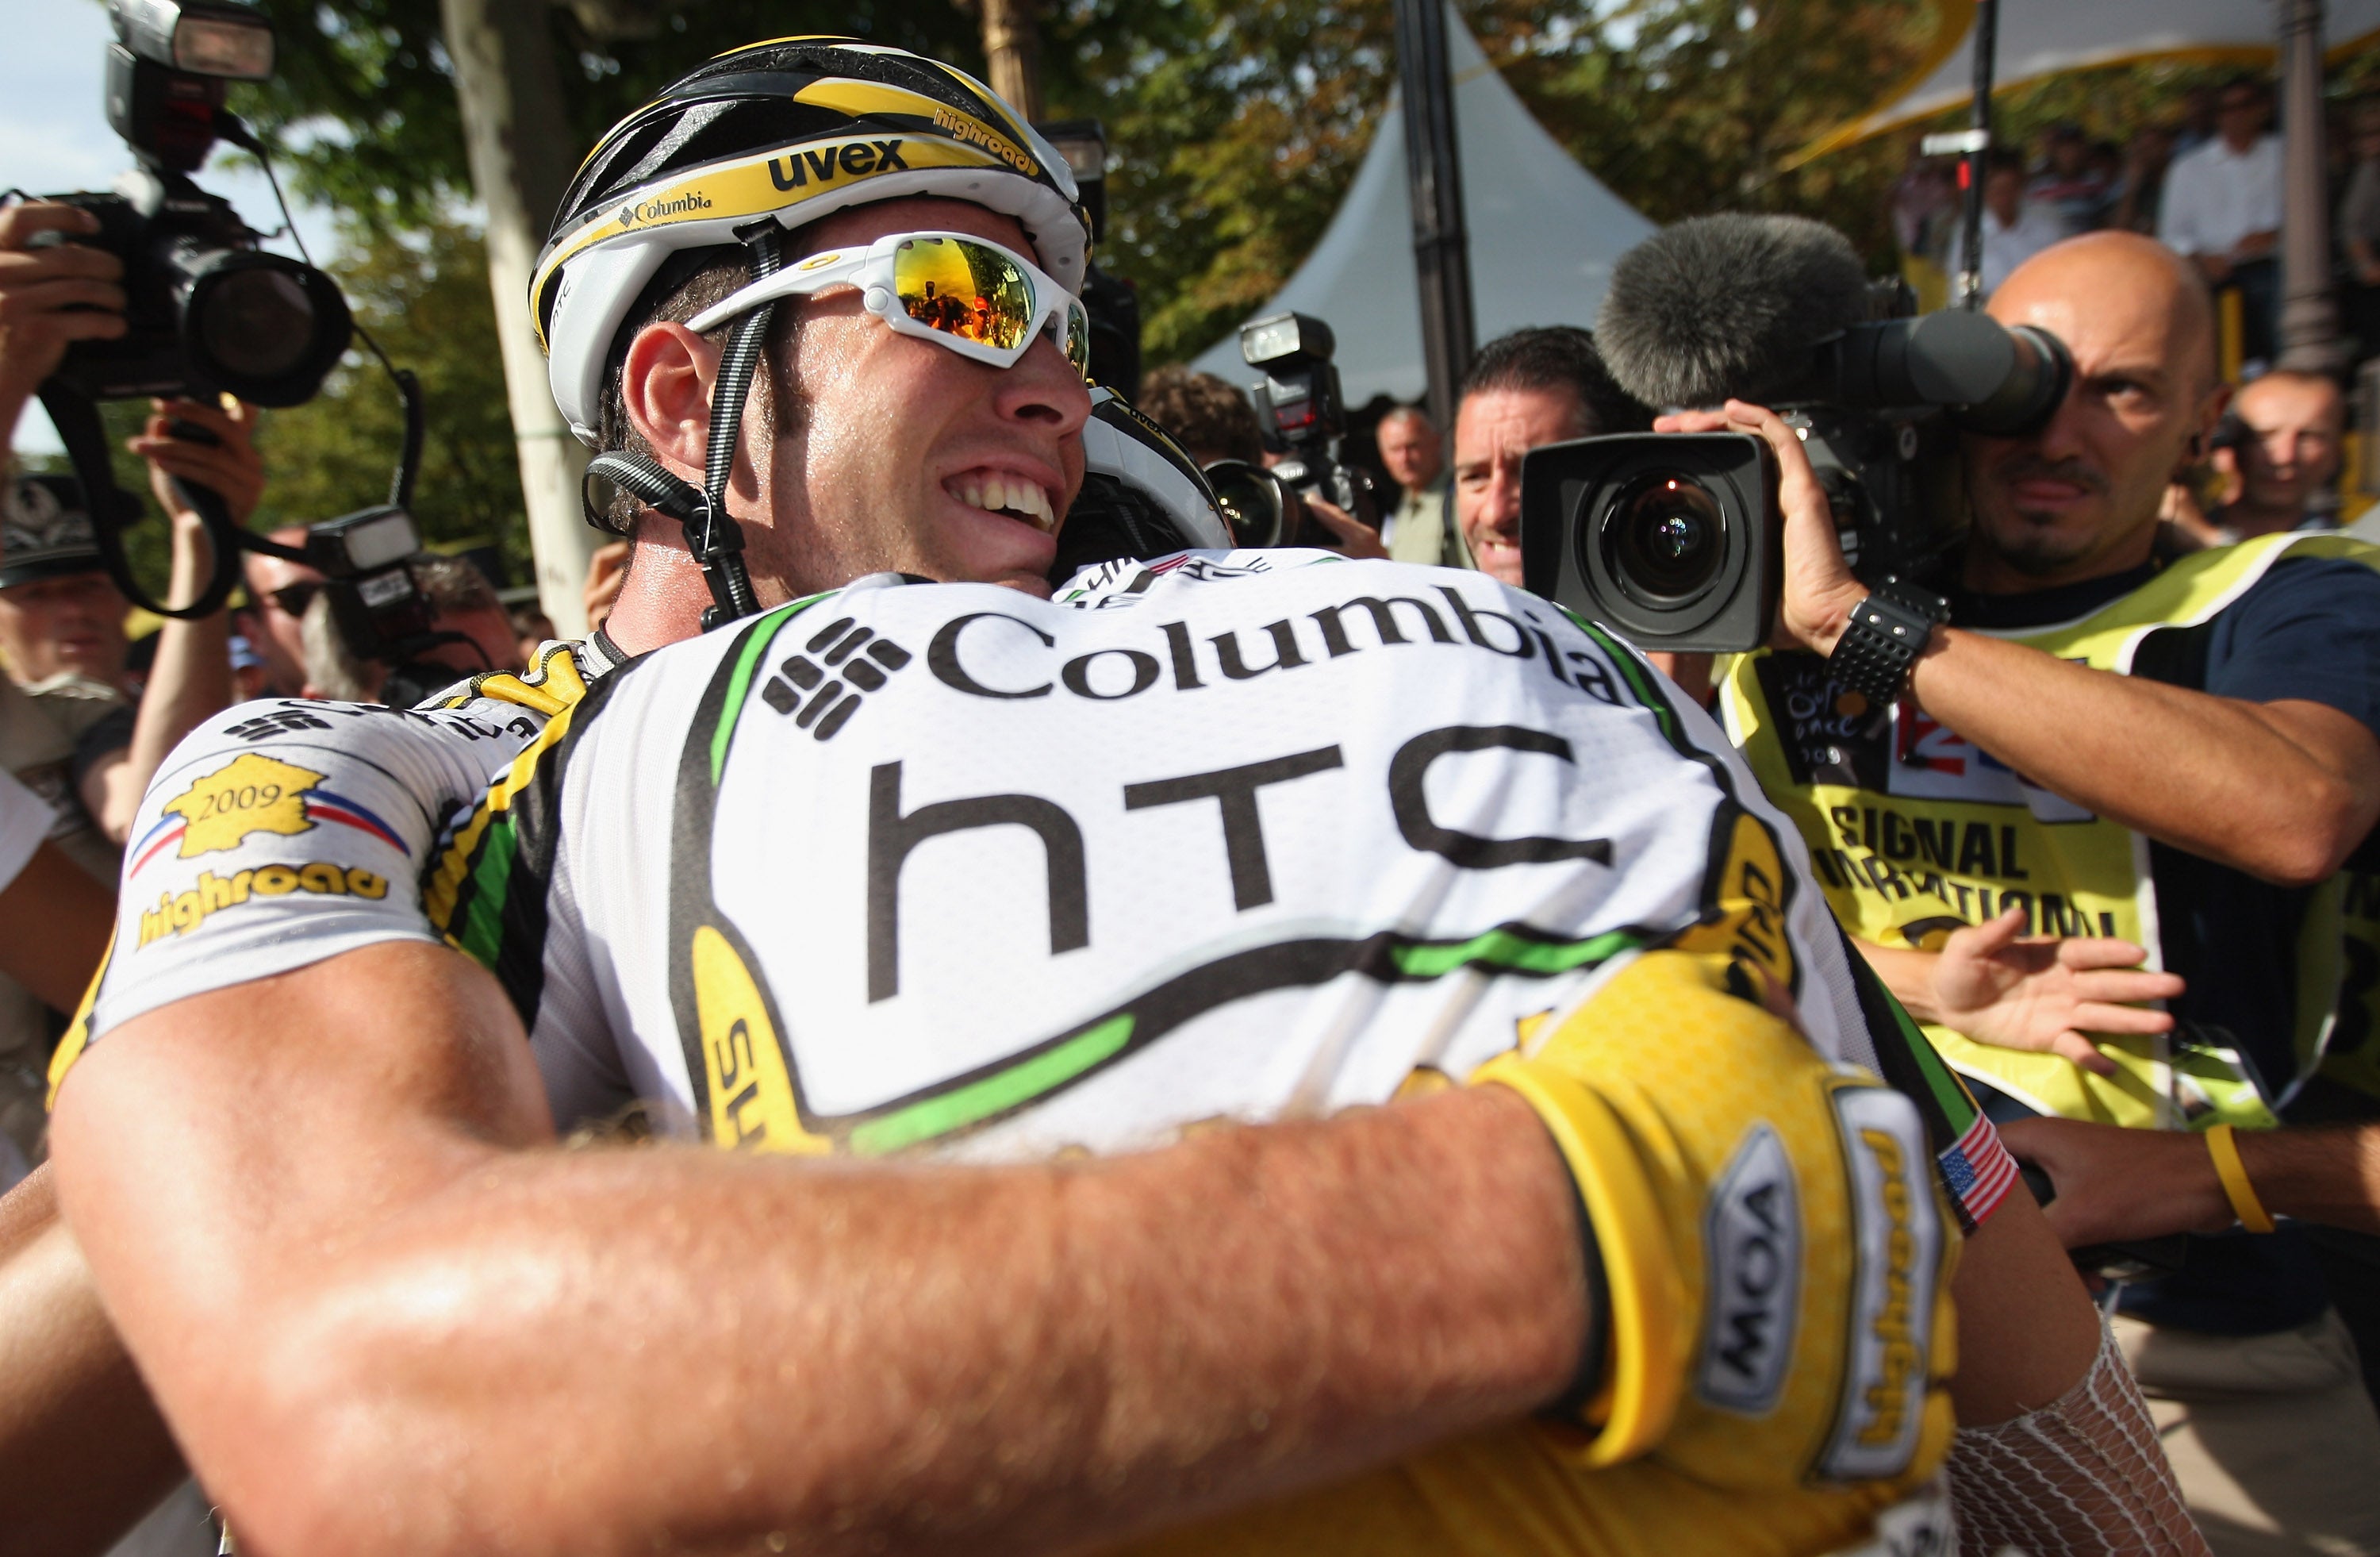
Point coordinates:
[(1013, 47), (523, 154)]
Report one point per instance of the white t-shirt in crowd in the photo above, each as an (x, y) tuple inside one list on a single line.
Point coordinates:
[(25, 819), (2214, 197), (2005, 248)]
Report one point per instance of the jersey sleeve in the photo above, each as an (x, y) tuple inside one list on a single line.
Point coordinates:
[(279, 834), (1761, 892)]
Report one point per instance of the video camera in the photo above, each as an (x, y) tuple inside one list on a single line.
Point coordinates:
[(1298, 405), (1676, 538)]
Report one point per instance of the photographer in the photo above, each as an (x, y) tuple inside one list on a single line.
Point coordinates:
[(461, 601), (1529, 388), (1212, 420), (2054, 735)]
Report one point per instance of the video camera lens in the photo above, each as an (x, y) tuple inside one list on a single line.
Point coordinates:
[(1664, 538)]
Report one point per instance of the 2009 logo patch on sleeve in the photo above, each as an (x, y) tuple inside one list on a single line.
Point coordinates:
[(249, 795)]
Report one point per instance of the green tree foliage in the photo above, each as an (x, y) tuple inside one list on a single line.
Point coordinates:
[(424, 298), (363, 102)]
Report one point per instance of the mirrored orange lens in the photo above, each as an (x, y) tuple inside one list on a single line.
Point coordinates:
[(963, 289)]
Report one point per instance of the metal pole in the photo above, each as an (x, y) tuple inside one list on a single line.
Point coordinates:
[(1979, 149), (1441, 247), (2309, 333)]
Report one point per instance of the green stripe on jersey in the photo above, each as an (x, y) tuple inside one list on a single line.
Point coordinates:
[(739, 685), (1503, 951), (994, 1094), (484, 928)]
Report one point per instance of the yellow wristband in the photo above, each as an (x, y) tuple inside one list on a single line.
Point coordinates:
[(2234, 1175)]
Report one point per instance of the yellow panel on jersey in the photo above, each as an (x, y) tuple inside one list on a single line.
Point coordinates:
[(1914, 841), (751, 1094)]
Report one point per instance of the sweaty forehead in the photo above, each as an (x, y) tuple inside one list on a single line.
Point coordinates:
[(2125, 305), (866, 224)]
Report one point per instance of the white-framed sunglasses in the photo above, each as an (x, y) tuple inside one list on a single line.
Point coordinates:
[(981, 299)]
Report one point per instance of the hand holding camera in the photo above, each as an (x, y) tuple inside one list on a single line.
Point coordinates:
[(207, 446), (51, 297), (1817, 591)]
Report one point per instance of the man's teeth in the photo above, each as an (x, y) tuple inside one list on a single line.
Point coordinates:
[(1001, 494)]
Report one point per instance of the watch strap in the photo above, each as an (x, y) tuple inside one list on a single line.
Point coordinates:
[(1882, 639)]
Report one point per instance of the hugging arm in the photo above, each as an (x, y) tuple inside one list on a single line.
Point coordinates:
[(374, 1258)]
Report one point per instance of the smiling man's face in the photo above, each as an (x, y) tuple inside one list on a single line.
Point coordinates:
[(904, 456), (2079, 499)]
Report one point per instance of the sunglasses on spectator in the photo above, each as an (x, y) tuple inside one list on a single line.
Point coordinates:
[(984, 301), (293, 599)]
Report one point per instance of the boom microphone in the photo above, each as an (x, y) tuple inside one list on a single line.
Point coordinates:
[(1730, 306)]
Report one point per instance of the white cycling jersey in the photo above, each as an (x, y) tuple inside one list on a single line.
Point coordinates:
[(1244, 836)]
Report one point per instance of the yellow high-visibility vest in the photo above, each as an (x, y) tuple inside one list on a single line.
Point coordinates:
[(1917, 831)]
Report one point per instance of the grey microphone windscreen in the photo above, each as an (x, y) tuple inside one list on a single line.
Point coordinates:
[(1728, 305)]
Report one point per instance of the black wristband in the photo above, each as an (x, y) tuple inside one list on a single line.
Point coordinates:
[(1587, 1382), (1882, 639)]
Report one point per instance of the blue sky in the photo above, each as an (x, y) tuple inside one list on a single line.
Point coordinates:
[(53, 132)]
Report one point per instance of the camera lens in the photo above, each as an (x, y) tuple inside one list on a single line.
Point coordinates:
[(1664, 538), (1251, 502), (256, 324)]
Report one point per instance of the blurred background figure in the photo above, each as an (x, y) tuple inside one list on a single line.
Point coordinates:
[(2140, 194), (2284, 438), (530, 628), (2015, 228), (1419, 531), (278, 593), (606, 571), (2222, 208), (2358, 231), (462, 603), (2067, 184), (1209, 417)]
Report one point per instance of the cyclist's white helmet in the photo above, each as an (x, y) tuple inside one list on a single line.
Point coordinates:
[(791, 130)]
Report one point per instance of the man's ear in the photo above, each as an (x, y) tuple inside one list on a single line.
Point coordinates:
[(665, 388), (2210, 411)]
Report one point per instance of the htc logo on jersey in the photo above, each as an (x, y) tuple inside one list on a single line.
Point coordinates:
[(1752, 1233)]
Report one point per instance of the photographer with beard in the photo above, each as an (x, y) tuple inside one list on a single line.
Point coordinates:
[(2105, 746)]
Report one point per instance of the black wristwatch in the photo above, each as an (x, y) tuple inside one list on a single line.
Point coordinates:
[(1882, 639)]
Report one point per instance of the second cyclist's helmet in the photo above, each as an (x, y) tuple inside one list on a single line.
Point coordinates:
[(790, 131)]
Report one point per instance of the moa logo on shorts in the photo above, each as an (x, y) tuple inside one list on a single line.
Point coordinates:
[(1752, 1229)]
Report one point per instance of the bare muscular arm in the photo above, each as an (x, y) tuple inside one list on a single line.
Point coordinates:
[(83, 1454), (377, 1312)]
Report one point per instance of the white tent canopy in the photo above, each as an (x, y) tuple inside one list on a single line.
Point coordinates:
[(1544, 235), (2039, 38)]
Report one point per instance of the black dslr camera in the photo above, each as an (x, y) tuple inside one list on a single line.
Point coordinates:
[(1676, 538), (1299, 408), (207, 310)]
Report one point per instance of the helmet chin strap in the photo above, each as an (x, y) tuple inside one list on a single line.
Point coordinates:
[(712, 536)]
